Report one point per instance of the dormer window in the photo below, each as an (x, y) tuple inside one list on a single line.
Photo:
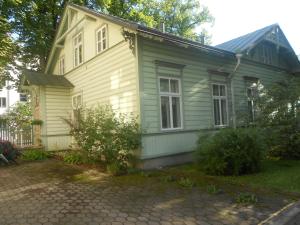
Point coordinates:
[(62, 65), (78, 49), (101, 39)]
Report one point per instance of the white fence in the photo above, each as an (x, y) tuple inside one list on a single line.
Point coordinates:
[(21, 138)]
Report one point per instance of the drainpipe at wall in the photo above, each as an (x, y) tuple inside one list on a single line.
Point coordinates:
[(238, 58)]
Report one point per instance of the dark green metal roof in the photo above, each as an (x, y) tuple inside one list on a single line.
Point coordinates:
[(250, 40), (244, 42), (41, 79)]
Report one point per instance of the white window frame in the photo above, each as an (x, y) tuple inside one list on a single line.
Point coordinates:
[(170, 95), (101, 39), (220, 108), (76, 46), (62, 65)]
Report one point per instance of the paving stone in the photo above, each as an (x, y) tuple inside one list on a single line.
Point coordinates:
[(36, 198)]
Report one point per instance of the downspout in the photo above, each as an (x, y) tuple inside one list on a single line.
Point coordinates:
[(238, 58)]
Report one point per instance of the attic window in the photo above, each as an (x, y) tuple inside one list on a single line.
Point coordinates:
[(78, 49), (101, 39)]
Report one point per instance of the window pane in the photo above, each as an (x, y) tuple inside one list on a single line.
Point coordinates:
[(3, 102), (80, 54), (99, 47), (222, 90), (104, 32), (165, 112), (74, 101), (164, 85), (76, 56), (99, 35), (224, 111), (249, 93), (174, 86), (79, 100), (216, 90), (250, 111), (104, 45), (216, 112), (176, 112)]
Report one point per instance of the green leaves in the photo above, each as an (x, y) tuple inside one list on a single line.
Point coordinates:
[(115, 138)]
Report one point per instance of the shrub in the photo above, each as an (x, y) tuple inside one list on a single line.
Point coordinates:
[(186, 182), (213, 189), (77, 157), (246, 198), (115, 138), (34, 154), (73, 157), (115, 168), (231, 152)]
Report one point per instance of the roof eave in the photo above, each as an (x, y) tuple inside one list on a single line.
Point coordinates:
[(183, 41)]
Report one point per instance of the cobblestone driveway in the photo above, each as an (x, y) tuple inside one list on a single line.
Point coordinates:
[(47, 193)]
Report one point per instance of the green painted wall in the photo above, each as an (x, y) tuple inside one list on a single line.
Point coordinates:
[(196, 92)]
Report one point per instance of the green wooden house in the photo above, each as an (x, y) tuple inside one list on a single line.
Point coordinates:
[(177, 87)]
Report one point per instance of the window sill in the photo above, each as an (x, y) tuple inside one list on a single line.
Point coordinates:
[(171, 129)]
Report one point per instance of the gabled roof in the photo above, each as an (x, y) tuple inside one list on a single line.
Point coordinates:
[(140, 29), (40, 79), (228, 49), (248, 41)]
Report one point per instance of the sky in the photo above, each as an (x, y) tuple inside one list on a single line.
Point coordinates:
[(234, 18)]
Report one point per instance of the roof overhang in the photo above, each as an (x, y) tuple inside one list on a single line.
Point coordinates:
[(33, 78)]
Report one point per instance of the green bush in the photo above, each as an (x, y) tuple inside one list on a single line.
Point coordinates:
[(186, 182), (34, 154), (73, 158), (231, 152), (77, 157), (114, 137), (246, 198), (116, 169)]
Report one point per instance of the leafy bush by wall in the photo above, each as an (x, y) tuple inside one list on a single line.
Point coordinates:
[(231, 152), (115, 138)]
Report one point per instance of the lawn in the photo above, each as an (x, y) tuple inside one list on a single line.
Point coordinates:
[(277, 176)]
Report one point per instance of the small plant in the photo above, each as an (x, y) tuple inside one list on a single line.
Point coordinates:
[(115, 169), (246, 198), (73, 158), (213, 189), (186, 182), (168, 178), (34, 154)]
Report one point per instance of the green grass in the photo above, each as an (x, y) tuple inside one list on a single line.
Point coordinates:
[(35, 154), (281, 176)]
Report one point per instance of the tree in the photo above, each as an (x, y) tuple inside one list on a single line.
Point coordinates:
[(279, 114), (8, 50), (34, 22), (19, 116), (181, 17)]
